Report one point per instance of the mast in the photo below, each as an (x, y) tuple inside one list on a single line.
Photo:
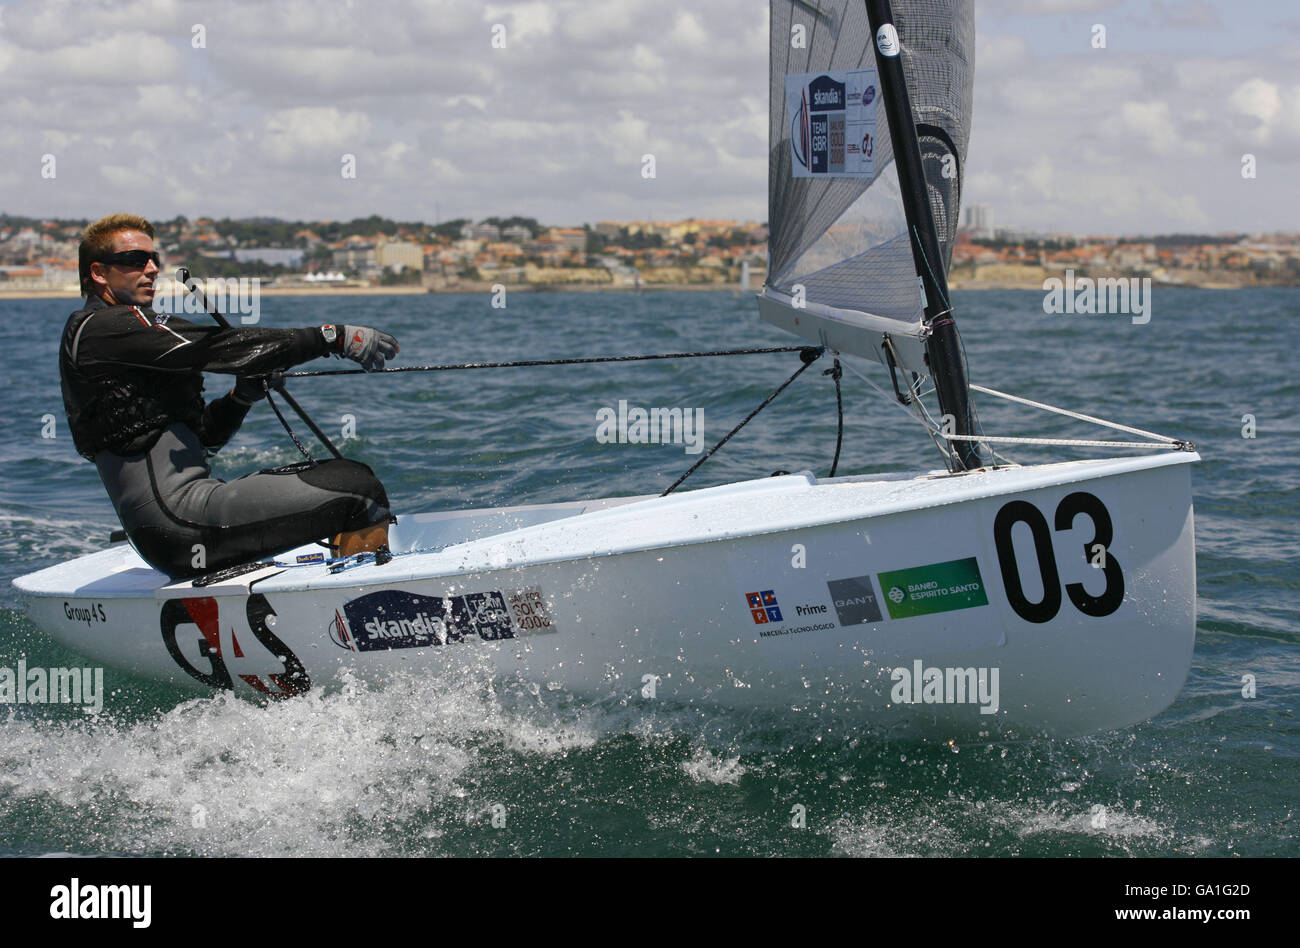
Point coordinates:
[(943, 347)]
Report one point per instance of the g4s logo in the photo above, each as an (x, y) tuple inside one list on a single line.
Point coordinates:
[(204, 612)]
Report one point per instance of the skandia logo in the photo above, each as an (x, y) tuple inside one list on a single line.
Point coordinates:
[(392, 619), (420, 626), (825, 94)]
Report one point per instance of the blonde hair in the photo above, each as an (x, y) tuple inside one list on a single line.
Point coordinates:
[(97, 242)]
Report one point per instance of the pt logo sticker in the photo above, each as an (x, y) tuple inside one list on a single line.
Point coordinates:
[(938, 587), (763, 607)]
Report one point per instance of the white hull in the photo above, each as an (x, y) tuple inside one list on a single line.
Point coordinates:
[(593, 598)]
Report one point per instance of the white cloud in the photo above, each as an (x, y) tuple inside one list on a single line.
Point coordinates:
[(1185, 13), (475, 101), (599, 23), (1040, 176), (1151, 121), (309, 132), (526, 23), (1258, 98), (118, 59), (126, 178), (53, 23), (554, 125), (1045, 7), (689, 32)]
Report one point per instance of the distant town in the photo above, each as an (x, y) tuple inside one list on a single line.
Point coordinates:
[(39, 257), (985, 256)]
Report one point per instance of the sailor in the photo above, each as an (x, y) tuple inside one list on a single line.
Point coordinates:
[(133, 390)]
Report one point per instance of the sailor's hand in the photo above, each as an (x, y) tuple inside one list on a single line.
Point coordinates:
[(367, 346), (249, 389)]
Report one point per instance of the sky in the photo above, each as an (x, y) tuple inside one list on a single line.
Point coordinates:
[(241, 109)]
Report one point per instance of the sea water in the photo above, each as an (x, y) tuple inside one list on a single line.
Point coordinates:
[(474, 765)]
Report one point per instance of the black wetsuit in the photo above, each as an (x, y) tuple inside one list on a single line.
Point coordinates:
[(133, 391)]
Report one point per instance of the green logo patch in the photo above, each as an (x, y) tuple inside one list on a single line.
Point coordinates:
[(938, 587)]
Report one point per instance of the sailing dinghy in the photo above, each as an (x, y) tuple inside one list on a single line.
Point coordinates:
[(987, 598)]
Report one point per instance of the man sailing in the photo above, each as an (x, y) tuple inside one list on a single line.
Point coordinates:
[(132, 387)]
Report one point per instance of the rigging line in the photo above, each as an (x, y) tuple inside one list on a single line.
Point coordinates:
[(538, 362), (1067, 441), (943, 299), (930, 427), (301, 447), (915, 409), (977, 422), (889, 397), (809, 354), (1078, 415), (278, 384), (836, 373), (917, 393), (275, 380)]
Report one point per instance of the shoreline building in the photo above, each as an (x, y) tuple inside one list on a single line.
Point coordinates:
[(979, 221)]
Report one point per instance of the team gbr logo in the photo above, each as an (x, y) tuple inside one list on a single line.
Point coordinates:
[(393, 618)]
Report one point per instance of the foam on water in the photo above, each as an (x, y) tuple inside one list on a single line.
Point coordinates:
[(357, 772), (706, 767), (422, 766)]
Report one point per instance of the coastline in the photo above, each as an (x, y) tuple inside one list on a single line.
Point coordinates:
[(960, 285)]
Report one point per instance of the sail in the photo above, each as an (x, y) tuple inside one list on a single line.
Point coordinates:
[(840, 264)]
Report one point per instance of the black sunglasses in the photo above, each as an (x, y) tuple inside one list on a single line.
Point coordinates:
[(135, 259)]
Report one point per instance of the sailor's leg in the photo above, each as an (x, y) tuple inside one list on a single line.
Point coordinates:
[(185, 522), (276, 510), (212, 525)]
